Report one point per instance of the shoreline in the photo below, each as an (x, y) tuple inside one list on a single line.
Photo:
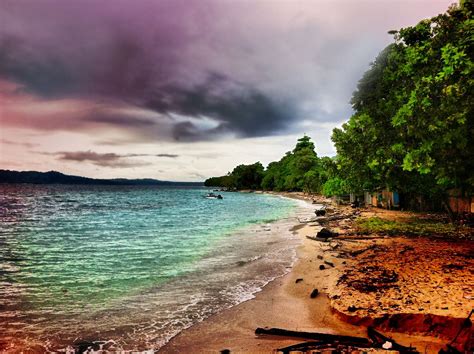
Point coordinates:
[(286, 303), (273, 306), (227, 274)]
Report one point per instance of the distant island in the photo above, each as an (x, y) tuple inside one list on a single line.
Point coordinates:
[(54, 177)]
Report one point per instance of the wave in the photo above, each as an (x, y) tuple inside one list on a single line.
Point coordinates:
[(133, 280)]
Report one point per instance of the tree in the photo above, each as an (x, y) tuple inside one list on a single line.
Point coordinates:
[(226, 181), (335, 186), (296, 171), (435, 113), (412, 129), (248, 176)]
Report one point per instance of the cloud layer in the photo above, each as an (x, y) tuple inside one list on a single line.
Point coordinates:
[(106, 159), (185, 71), (160, 59), (249, 69)]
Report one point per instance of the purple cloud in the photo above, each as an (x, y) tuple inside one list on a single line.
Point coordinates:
[(106, 159), (192, 70), (18, 143)]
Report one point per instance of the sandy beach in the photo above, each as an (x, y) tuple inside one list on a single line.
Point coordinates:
[(286, 302)]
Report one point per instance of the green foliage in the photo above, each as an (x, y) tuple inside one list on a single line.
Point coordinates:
[(304, 144), (242, 177), (248, 176), (226, 181), (335, 186), (413, 125), (409, 227), (298, 170)]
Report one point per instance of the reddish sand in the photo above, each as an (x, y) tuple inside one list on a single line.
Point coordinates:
[(418, 286)]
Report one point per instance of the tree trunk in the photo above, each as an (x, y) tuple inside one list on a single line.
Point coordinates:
[(452, 216)]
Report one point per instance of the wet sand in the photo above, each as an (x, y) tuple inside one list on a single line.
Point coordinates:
[(284, 303)]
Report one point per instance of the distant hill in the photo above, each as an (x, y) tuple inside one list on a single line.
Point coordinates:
[(54, 177)]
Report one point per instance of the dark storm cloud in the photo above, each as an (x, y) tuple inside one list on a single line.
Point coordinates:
[(96, 158), (199, 69), (119, 120), (171, 156), (232, 106), (106, 159), (97, 52)]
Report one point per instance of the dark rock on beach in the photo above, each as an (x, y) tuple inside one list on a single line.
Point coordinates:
[(326, 233)]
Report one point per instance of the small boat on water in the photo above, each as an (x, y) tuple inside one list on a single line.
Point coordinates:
[(213, 196)]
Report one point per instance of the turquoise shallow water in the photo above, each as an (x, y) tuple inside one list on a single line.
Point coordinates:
[(130, 266)]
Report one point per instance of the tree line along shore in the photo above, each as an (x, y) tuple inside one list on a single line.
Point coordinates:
[(411, 132)]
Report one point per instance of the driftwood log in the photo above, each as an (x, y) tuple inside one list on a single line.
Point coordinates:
[(323, 337), (301, 347), (379, 339), (324, 219), (307, 221), (324, 340), (359, 252), (314, 238)]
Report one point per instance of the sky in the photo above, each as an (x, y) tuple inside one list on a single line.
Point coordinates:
[(182, 90)]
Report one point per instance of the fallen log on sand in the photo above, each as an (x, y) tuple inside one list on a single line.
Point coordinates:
[(380, 340), (324, 340), (307, 221), (359, 252), (320, 239), (301, 347), (324, 219), (323, 337)]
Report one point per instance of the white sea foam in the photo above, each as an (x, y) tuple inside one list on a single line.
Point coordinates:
[(211, 270)]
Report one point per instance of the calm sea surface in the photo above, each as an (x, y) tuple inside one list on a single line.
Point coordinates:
[(130, 267)]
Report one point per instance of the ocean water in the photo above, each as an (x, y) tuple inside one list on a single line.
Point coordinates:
[(127, 268)]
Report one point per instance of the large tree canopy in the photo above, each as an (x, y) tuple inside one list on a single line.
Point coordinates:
[(413, 128)]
